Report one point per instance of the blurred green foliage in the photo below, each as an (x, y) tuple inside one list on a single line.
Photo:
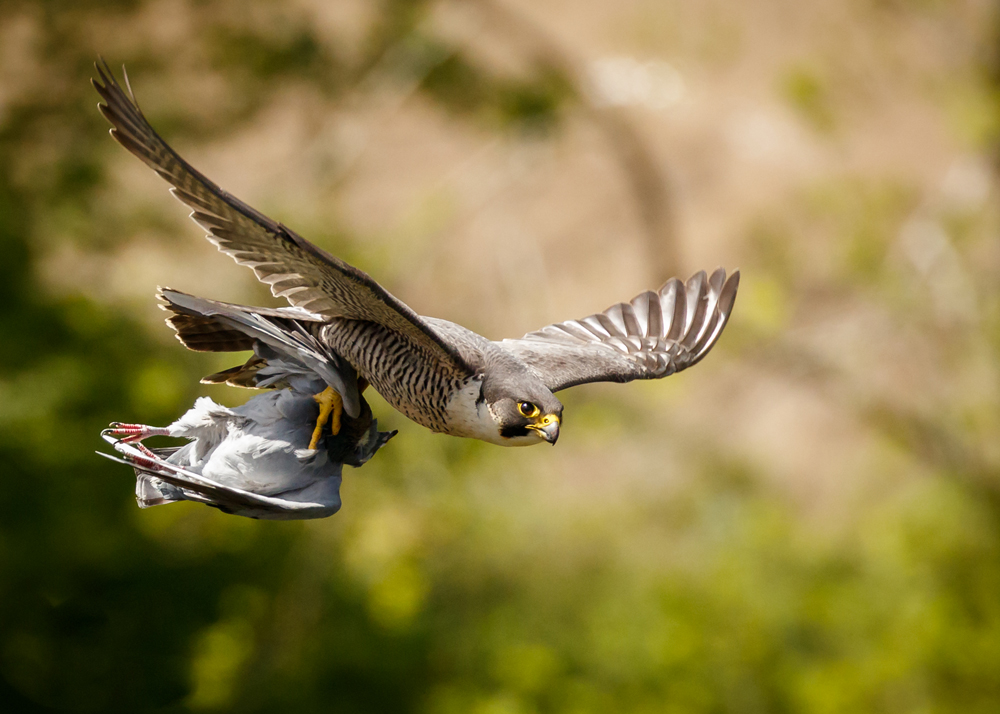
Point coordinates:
[(461, 87), (440, 588)]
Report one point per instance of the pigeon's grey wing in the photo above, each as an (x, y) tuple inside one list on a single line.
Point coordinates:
[(281, 331), (307, 276), (229, 499), (653, 336)]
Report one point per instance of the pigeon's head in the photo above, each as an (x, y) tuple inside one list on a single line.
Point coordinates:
[(523, 409)]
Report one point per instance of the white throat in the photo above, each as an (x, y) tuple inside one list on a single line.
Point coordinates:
[(470, 417)]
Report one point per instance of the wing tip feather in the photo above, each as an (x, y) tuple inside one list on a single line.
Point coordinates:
[(659, 340)]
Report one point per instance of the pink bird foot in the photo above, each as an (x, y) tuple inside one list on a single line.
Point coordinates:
[(133, 433)]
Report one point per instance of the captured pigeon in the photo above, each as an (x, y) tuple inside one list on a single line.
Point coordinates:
[(255, 460)]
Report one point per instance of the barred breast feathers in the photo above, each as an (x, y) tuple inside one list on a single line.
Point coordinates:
[(406, 375)]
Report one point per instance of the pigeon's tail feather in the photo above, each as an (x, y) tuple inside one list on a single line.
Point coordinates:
[(150, 491), (165, 452)]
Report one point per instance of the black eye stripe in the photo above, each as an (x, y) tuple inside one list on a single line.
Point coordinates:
[(511, 432)]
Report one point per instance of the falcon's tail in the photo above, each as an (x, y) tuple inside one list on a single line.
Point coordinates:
[(205, 325), (212, 326), (208, 333)]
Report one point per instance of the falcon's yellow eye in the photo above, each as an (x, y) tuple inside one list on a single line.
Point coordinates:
[(527, 409)]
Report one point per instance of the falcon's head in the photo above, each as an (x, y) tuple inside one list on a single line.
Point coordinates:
[(524, 410)]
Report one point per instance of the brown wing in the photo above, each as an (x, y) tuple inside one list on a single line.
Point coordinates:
[(653, 336), (307, 276)]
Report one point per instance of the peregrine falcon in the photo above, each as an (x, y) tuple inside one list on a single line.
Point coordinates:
[(439, 374)]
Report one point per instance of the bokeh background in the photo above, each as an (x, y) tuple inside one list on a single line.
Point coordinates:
[(807, 522)]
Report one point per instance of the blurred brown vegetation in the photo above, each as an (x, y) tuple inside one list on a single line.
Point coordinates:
[(809, 521)]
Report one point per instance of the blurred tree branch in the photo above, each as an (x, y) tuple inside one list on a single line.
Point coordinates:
[(646, 179)]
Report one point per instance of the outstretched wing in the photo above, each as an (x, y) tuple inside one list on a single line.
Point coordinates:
[(653, 336), (307, 276)]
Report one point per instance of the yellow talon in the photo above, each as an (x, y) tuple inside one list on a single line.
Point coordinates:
[(329, 401)]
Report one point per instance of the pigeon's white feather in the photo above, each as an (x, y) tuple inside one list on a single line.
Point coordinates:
[(251, 460)]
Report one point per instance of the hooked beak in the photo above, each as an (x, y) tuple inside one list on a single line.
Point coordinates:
[(547, 427)]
